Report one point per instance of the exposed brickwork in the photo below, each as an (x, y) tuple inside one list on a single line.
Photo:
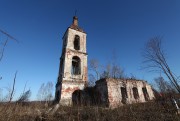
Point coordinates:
[(68, 82), (114, 90), (85, 73)]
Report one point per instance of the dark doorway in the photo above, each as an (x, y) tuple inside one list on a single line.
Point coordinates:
[(77, 97)]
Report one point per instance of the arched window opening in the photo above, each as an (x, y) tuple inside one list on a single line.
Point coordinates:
[(124, 95), (135, 93), (76, 66), (77, 42), (146, 95)]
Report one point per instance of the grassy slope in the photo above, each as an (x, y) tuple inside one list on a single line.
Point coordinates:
[(136, 112)]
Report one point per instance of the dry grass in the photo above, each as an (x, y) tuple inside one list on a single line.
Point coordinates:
[(136, 112)]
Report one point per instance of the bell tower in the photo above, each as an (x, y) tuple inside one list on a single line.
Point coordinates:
[(72, 74)]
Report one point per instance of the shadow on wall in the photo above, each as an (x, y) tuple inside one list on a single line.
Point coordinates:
[(57, 96)]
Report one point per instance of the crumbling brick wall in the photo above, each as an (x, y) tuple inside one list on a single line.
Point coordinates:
[(124, 91)]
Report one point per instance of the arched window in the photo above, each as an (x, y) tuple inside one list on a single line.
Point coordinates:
[(146, 95), (77, 42), (124, 95), (76, 66), (135, 92)]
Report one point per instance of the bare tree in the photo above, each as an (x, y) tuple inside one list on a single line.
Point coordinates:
[(40, 93), (3, 43), (95, 66), (155, 59), (163, 86), (117, 72), (91, 80), (45, 92), (49, 88), (106, 71), (12, 92), (112, 71)]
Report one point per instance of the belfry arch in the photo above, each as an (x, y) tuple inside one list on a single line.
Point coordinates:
[(77, 42), (76, 66)]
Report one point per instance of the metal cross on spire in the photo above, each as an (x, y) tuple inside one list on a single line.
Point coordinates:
[(75, 12)]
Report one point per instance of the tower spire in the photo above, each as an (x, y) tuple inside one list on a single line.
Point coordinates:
[(75, 25), (75, 20)]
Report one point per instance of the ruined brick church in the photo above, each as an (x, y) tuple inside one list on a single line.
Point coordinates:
[(73, 76)]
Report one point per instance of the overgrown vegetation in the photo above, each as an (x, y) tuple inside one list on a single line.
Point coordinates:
[(136, 112)]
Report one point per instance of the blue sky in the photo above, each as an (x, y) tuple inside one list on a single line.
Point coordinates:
[(120, 26)]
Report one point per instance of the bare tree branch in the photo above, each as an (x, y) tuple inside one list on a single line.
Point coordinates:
[(12, 92), (8, 35), (45, 92), (154, 56), (24, 97), (94, 65), (4, 43), (163, 86), (3, 48)]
